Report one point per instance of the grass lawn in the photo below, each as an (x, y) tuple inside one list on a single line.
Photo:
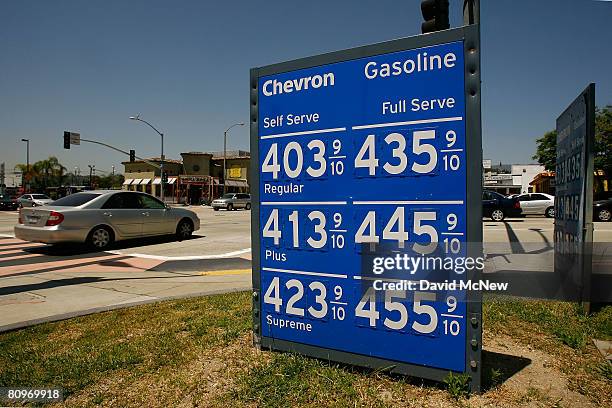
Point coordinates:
[(198, 352)]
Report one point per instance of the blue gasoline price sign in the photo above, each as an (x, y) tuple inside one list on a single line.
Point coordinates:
[(362, 177)]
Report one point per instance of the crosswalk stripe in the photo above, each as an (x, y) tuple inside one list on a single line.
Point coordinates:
[(19, 246), (67, 264), (12, 258)]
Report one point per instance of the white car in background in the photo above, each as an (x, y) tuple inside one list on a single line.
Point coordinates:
[(33, 200), (537, 204)]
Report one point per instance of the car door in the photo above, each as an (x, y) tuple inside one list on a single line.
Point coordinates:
[(540, 203), (526, 204), (156, 219), (242, 198), (488, 203), (122, 212)]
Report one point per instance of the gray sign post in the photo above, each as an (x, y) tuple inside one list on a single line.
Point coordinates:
[(574, 197)]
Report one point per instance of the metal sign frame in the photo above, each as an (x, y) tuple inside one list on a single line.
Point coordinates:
[(470, 35), (574, 269)]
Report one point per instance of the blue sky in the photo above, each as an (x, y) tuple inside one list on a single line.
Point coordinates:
[(184, 66)]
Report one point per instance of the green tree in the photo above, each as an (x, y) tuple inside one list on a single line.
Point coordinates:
[(44, 173), (546, 152)]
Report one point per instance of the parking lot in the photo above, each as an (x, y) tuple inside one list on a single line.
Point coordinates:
[(38, 282)]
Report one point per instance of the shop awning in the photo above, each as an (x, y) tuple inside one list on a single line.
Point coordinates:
[(127, 182), (136, 181), (236, 183), (172, 180), (145, 181), (157, 180)]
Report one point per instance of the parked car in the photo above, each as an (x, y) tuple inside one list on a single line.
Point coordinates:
[(602, 210), (100, 218), (537, 204), (232, 201), (7, 203), (498, 207), (33, 200)]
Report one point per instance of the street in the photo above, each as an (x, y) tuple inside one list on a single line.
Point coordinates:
[(44, 282)]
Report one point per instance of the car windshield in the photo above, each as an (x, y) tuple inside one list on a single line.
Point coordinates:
[(40, 197), (75, 200), (227, 196)]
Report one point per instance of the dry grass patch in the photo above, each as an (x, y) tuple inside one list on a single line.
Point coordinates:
[(198, 352)]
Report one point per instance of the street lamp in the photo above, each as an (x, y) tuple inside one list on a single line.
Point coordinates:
[(161, 165), (23, 176), (225, 153)]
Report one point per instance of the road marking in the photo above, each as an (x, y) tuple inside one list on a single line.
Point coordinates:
[(410, 122), (184, 258), (93, 262), (16, 257), (226, 272)]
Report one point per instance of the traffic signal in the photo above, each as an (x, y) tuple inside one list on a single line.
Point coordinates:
[(66, 140), (132, 156), (164, 177), (435, 13)]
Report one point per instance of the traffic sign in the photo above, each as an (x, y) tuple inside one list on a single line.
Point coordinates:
[(359, 155)]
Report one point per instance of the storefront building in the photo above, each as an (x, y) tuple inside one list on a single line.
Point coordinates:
[(196, 179)]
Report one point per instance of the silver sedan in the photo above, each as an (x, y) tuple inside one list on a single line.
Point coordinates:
[(100, 218)]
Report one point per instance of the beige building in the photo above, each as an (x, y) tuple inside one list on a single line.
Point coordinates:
[(197, 178)]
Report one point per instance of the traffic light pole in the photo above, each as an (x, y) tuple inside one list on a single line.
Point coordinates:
[(471, 12), (122, 151)]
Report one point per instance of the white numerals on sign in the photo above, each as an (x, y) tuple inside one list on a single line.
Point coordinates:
[(272, 295), (293, 218), (420, 229), (369, 224), (319, 229), (367, 149), (369, 299), (319, 299), (392, 306), (419, 148), (319, 157), (400, 235), (270, 164), (294, 283), (295, 172), (271, 229), (425, 309), (398, 152)]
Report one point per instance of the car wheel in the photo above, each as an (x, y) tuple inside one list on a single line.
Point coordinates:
[(247, 206), (215, 208), (604, 215), (230, 207), (497, 215), (184, 230), (100, 238), (550, 212)]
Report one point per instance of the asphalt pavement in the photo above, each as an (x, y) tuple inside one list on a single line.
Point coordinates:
[(42, 283)]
